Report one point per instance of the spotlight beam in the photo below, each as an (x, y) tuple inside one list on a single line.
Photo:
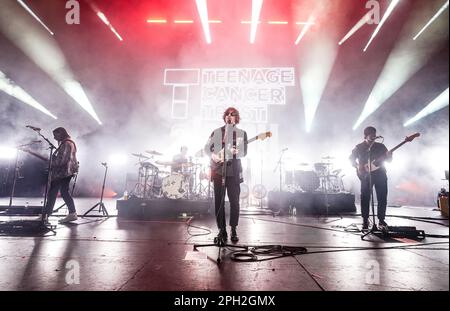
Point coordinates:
[(432, 19), (389, 10), (104, 19), (203, 13), (16, 91), (438, 103), (256, 11), (357, 26), (305, 29), (107, 23), (35, 16)]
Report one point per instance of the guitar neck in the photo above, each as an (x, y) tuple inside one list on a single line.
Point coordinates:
[(398, 146)]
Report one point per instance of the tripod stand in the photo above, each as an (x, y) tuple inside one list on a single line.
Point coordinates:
[(100, 205)]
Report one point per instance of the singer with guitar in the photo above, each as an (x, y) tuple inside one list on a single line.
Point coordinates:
[(359, 158), (226, 146), (64, 167)]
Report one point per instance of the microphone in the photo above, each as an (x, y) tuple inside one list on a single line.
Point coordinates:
[(285, 149), (33, 128), (36, 141), (104, 163)]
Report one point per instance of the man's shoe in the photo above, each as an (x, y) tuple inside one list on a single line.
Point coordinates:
[(234, 236), (382, 225), (365, 226), (223, 234), (69, 218)]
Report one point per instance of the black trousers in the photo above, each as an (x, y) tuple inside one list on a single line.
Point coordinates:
[(233, 190), (379, 181), (61, 185)]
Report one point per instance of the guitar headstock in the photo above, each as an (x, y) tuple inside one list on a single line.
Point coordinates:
[(411, 137), (265, 135)]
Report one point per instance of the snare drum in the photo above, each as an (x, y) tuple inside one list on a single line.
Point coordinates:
[(174, 186)]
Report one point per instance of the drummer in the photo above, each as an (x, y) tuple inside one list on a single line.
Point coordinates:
[(179, 159)]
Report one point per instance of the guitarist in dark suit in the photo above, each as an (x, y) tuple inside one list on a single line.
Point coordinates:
[(226, 146), (360, 159)]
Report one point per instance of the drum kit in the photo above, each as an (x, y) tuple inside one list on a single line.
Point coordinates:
[(170, 179), (322, 178)]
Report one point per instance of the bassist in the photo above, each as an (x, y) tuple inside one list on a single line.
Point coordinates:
[(360, 159)]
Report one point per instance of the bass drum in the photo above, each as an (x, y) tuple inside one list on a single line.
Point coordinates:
[(307, 180), (174, 186)]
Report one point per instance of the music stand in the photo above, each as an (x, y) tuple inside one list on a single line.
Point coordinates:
[(374, 230), (100, 205), (220, 241)]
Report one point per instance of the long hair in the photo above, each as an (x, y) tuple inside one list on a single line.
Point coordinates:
[(62, 132), (234, 111)]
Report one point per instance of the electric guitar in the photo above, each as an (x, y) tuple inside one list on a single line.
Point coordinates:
[(364, 168), (262, 136)]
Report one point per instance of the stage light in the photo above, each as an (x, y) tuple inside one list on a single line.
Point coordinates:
[(183, 21), (117, 159), (156, 21), (256, 10), (7, 153), (389, 10), (305, 29), (35, 16), (357, 26), (44, 52), (277, 22), (438, 103), (13, 90), (107, 23), (432, 19), (406, 59), (203, 13)]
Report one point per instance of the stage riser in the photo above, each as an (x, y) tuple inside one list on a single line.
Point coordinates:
[(142, 209), (311, 203)]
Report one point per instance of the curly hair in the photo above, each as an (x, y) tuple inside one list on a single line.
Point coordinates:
[(234, 112)]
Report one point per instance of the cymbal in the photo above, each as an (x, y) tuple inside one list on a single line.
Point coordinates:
[(322, 163), (303, 164), (153, 152), (327, 158), (139, 155)]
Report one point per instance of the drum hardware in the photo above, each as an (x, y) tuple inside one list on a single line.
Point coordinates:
[(153, 152), (140, 155)]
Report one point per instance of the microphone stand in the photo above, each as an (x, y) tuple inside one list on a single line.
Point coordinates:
[(278, 166), (220, 240), (374, 230), (51, 148)]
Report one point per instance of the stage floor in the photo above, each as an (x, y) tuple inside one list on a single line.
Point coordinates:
[(115, 254)]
